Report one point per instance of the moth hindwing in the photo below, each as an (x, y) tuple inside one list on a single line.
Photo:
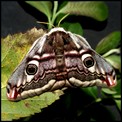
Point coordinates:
[(59, 59)]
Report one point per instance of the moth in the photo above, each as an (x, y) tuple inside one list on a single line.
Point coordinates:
[(56, 60)]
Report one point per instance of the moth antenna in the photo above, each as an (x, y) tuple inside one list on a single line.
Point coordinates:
[(46, 23), (62, 18)]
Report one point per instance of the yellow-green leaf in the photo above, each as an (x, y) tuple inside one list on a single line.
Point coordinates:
[(14, 48), (15, 110)]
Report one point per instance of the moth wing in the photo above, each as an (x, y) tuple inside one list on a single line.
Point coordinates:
[(18, 77), (102, 68)]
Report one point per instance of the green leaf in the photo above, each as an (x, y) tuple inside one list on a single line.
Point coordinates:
[(108, 91), (14, 49), (109, 42), (93, 9), (114, 91), (115, 61), (43, 6), (117, 96), (117, 88), (91, 91), (118, 103), (24, 108), (72, 27)]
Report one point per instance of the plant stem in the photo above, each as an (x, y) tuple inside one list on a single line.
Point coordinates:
[(117, 51), (49, 25), (55, 7), (54, 14)]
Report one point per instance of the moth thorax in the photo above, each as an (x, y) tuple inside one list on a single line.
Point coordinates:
[(60, 62)]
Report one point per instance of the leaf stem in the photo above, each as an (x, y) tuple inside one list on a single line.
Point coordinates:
[(55, 7), (62, 19), (111, 51), (49, 21), (54, 13)]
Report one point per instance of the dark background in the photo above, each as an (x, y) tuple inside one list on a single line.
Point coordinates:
[(17, 17)]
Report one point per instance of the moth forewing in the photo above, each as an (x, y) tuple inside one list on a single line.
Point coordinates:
[(81, 40), (19, 78), (106, 70)]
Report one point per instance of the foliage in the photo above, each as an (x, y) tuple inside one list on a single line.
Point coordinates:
[(96, 10), (108, 47)]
